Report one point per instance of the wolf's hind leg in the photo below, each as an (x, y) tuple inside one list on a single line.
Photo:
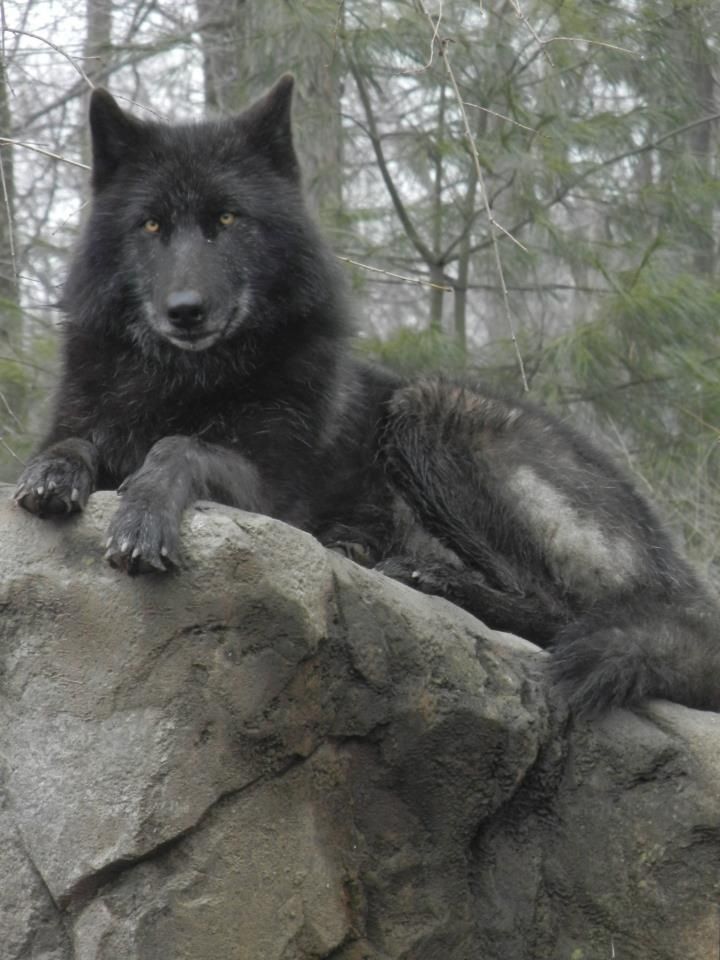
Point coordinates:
[(534, 615), (144, 534), (448, 452)]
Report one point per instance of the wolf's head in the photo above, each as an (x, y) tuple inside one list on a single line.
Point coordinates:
[(198, 232)]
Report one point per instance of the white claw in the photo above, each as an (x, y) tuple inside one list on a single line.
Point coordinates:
[(51, 485), (108, 543), (124, 546), (163, 551), (75, 494), (40, 490), (135, 553)]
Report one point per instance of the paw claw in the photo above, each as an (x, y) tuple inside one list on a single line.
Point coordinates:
[(54, 483), (141, 539)]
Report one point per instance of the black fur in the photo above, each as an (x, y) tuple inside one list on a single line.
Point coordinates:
[(206, 356)]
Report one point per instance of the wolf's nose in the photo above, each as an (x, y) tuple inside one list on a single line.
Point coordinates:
[(185, 309)]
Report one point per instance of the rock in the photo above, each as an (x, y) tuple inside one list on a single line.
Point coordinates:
[(611, 846), (276, 754)]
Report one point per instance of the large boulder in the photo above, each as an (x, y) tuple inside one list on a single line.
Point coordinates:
[(274, 754)]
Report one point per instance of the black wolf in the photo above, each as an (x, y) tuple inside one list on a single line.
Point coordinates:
[(206, 355)]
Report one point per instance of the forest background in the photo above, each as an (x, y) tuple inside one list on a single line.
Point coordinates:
[(522, 191)]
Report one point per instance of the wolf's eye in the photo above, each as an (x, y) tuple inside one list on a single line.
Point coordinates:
[(151, 226), (227, 218)]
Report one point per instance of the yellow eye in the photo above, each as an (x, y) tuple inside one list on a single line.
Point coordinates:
[(227, 218), (151, 226)]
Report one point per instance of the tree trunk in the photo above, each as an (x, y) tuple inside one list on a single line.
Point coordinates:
[(8, 271), (98, 47), (700, 140), (465, 256), (436, 269), (247, 44), (223, 31), (12, 381)]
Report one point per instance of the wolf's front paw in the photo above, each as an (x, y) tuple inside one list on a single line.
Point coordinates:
[(142, 540), (52, 485)]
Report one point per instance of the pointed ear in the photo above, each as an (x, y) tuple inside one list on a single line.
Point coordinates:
[(114, 135), (266, 124)]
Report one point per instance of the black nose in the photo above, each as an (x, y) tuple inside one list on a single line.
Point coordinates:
[(185, 308)]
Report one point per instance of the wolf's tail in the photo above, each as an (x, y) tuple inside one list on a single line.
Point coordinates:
[(631, 650)]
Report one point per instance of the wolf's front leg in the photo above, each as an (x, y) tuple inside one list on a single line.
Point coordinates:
[(144, 534), (59, 479)]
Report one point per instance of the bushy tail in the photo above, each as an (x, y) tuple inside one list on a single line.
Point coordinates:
[(639, 649)]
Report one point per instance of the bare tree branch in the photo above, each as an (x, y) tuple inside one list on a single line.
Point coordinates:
[(396, 276), (494, 225), (44, 153), (71, 60), (422, 248)]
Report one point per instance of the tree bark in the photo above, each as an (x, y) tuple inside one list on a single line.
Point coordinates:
[(246, 45), (12, 381)]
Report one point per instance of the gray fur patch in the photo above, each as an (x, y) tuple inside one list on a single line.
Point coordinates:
[(582, 555)]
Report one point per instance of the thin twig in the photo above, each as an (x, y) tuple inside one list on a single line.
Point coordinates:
[(10, 219), (88, 81), (631, 461), (3, 180), (590, 171), (10, 409), (543, 42), (376, 141), (336, 32), (521, 16), (396, 276), (595, 43), (3, 26), (436, 19), (442, 44), (494, 225), (700, 420), (71, 60), (44, 153), (11, 451), (500, 116), (69, 217), (25, 363)]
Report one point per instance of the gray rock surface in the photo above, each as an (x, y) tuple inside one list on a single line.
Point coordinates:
[(277, 755)]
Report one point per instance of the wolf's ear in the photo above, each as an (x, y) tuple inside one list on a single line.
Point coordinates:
[(114, 134), (267, 126)]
